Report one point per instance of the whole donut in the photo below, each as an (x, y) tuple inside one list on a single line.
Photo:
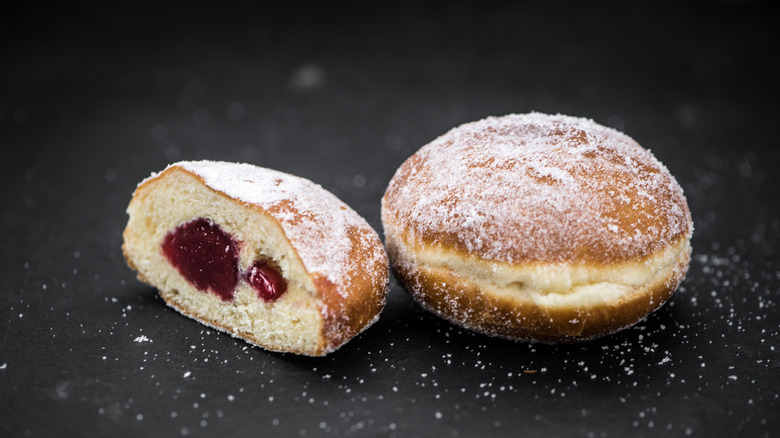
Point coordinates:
[(537, 227)]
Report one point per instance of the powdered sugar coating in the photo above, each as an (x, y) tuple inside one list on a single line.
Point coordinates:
[(323, 229), (549, 188)]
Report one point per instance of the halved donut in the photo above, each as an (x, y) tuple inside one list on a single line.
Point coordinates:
[(266, 256)]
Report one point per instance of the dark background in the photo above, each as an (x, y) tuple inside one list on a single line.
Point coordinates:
[(94, 96)]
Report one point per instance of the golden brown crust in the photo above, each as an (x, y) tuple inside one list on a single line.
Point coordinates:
[(460, 301), (346, 316), (489, 224), (538, 187)]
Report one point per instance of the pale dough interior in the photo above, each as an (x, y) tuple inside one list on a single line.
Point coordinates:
[(292, 323)]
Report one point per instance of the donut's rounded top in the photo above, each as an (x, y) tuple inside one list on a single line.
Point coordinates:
[(539, 188)]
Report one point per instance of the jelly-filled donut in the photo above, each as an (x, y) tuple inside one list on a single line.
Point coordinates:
[(537, 227), (268, 257)]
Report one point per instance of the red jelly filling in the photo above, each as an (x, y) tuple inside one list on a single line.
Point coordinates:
[(266, 280), (205, 255)]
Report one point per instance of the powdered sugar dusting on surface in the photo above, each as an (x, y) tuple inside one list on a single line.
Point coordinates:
[(317, 223), (541, 187)]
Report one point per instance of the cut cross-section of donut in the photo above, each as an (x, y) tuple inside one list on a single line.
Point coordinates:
[(268, 257)]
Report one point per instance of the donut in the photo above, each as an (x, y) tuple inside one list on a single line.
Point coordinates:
[(537, 227), (265, 256)]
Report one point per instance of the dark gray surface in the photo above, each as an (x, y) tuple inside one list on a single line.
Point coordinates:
[(94, 98)]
